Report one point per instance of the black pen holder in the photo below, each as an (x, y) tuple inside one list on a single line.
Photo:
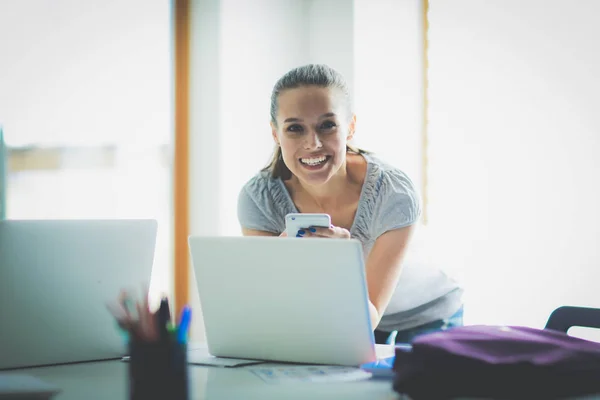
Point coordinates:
[(158, 371)]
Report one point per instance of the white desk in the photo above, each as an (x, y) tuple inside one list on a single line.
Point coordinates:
[(108, 380)]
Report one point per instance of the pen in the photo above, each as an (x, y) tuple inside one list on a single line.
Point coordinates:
[(164, 316), (184, 323)]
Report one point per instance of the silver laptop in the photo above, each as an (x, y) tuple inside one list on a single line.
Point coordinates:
[(55, 279), (284, 299)]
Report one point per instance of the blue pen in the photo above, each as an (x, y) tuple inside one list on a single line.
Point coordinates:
[(184, 323)]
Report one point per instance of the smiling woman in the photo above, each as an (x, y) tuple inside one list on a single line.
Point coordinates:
[(315, 170), (321, 89)]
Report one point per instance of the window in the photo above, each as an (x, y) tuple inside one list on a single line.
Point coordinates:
[(85, 103)]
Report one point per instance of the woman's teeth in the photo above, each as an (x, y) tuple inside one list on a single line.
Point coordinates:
[(313, 161)]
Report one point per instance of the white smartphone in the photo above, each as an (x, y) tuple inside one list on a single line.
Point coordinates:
[(296, 221)]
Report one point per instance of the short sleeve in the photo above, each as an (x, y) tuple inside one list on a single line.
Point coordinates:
[(397, 205), (253, 209)]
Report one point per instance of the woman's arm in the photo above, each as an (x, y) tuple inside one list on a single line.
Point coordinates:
[(383, 269)]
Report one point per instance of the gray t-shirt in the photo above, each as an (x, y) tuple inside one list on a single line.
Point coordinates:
[(388, 201)]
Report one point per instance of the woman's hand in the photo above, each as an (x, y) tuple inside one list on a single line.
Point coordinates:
[(331, 232)]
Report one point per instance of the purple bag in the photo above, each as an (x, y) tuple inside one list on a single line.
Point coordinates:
[(498, 362)]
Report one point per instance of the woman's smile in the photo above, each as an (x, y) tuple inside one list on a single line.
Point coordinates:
[(314, 163)]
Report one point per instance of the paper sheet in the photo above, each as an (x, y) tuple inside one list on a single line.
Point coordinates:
[(201, 356), (198, 355), (308, 373)]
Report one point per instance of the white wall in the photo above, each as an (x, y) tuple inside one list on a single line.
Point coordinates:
[(205, 122), (329, 29), (515, 134), (389, 80), (205, 139)]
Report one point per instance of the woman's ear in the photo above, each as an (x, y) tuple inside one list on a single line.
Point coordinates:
[(274, 133), (351, 128)]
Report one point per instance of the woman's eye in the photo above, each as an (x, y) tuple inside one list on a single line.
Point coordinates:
[(294, 128), (328, 125)]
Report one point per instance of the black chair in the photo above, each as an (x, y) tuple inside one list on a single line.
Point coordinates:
[(566, 317)]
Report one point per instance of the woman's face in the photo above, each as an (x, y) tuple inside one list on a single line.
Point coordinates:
[(313, 127)]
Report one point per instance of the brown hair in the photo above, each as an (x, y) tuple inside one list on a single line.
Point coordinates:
[(307, 75)]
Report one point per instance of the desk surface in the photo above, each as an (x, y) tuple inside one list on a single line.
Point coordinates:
[(108, 380)]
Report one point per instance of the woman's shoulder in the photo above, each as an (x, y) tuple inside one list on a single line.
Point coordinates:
[(386, 178), (259, 182), (263, 189), (261, 202), (390, 198)]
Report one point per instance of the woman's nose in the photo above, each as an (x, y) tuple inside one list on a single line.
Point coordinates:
[(312, 141)]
